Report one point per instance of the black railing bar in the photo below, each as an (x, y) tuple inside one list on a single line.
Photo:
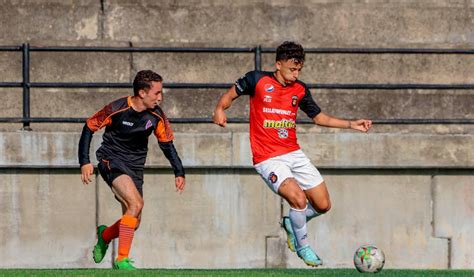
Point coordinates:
[(228, 85), (391, 86), (433, 169), (10, 84), (80, 85), (381, 51), (10, 48), (41, 120), (141, 49), (408, 121), (127, 85), (241, 50), (239, 120)]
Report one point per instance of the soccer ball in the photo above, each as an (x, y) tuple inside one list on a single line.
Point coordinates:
[(369, 258)]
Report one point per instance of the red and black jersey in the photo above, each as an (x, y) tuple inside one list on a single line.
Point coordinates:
[(273, 109), (126, 135)]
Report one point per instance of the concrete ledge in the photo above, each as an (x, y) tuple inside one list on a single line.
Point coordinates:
[(340, 150)]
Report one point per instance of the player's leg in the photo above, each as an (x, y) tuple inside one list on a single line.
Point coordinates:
[(274, 171), (294, 195), (311, 182), (124, 208), (319, 200), (105, 234), (126, 191)]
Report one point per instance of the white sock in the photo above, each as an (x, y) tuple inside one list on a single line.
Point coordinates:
[(298, 222), (311, 212)]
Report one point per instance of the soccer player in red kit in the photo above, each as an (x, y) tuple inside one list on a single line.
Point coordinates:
[(274, 101), (128, 123)]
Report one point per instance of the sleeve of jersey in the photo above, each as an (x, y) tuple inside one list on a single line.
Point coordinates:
[(308, 105), (97, 121), (84, 145), (101, 118), (163, 131), (246, 84), (172, 155)]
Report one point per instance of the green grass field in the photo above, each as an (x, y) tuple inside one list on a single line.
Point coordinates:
[(228, 272)]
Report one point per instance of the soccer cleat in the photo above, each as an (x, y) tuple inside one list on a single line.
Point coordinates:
[(124, 264), (291, 239), (101, 247), (309, 256)]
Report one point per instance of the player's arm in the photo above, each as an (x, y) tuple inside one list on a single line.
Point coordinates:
[(323, 119), (309, 106), (172, 155), (87, 169), (94, 123), (219, 117), (165, 136), (243, 86)]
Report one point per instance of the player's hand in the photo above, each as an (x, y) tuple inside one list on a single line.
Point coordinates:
[(86, 171), (362, 125), (219, 117), (180, 183)]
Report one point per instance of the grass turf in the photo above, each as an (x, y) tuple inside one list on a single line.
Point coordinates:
[(227, 272)]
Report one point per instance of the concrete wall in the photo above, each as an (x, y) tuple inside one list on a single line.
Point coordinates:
[(407, 189), (376, 199)]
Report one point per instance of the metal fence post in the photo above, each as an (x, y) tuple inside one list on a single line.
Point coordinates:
[(26, 87), (258, 57)]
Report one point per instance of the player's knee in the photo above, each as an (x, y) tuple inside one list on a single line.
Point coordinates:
[(298, 200), (324, 206), (136, 207)]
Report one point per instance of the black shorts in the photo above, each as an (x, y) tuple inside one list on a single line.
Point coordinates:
[(111, 169)]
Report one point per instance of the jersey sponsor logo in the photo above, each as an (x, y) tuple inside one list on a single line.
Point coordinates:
[(268, 87), (277, 111), (283, 133), (284, 123), (272, 177), (148, 124), (127, 123), (294, 99), (267, 99)]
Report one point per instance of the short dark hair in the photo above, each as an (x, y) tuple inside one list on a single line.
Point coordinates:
[(143, 80), (290, 50)]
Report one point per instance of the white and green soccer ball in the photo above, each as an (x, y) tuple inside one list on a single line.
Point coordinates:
[(369, 258)]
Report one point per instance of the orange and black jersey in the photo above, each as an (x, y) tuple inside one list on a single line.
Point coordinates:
[(126, 135)]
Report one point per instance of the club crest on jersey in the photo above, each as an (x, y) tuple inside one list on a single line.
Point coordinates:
[(148, 124), (282, 133), (268, 87), (294, 99), (272, 177)]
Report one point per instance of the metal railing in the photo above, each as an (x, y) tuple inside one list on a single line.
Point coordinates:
[(26, 85)]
